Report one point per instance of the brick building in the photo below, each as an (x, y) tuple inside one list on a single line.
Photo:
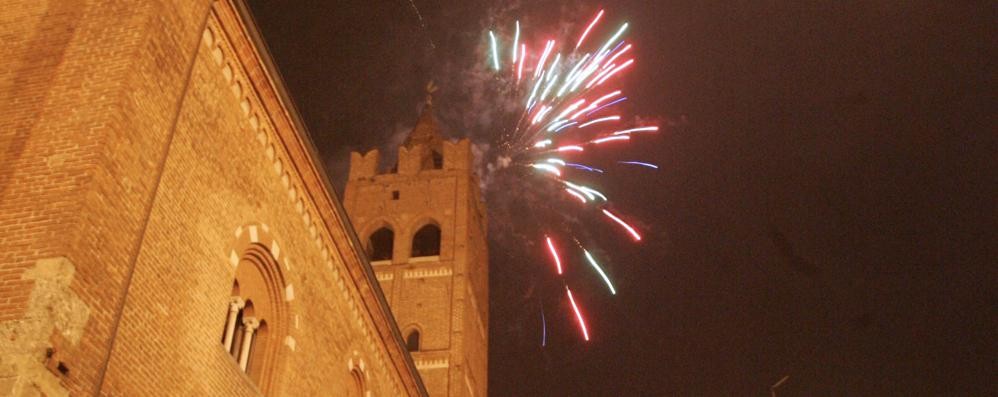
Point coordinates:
[(165, 228), (423, 224)]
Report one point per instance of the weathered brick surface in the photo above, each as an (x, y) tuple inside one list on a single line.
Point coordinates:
[(127, 148), (80, 79)]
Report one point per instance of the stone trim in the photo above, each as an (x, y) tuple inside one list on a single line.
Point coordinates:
[(432, 363), (428, 273)]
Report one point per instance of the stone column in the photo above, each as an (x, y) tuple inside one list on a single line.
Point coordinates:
[(235, 305), (251, 324)]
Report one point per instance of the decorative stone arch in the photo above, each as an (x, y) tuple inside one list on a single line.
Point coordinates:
[(425, 238), (374, 252), (358, 377), (264, 296)]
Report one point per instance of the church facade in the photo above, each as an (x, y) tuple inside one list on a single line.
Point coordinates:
[(165, 228), (423, 223)]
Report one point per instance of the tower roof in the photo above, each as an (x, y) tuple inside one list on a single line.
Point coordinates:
[(426, 131)]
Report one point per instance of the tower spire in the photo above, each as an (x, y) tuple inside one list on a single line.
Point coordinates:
[(430, 89), (427, 129)]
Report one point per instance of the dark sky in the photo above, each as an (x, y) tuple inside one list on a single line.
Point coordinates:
[(827, 212)]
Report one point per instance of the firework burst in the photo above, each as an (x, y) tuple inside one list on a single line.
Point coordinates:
[(567, 94)]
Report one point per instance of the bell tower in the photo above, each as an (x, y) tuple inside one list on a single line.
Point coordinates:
[(423, 226)]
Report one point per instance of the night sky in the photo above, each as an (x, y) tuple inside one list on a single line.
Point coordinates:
[(825, 207)]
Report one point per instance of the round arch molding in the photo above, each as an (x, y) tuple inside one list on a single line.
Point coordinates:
[(255, 256)]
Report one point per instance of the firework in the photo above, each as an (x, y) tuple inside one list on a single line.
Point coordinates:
[(578, 314), (599, 120), (554, 254), (548, 168), (639, 129), (592, 262), (610, 138), (585, 167), (634, 233), (576, 195), (516, 40), (588, 28), (643, 164), (565, 93), (495, 50)]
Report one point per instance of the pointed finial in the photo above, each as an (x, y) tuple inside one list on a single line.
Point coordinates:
[(430, 89)]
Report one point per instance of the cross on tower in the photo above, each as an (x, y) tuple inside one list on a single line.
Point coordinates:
[(430, 89)]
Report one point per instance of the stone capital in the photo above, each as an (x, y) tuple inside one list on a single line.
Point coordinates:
[(236, 303), (251, 323)]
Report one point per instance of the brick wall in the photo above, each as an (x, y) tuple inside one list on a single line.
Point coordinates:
[(135, 144), (78, 80)]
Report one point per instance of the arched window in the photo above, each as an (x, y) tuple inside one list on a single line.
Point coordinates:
[(233, 317), (255, 319), (380, 244), (438, 160), (412, 341), (426, 242), (254, 358), (232, 334), (356, 383)]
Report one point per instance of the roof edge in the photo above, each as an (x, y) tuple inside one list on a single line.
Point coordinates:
[(301, 148)]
